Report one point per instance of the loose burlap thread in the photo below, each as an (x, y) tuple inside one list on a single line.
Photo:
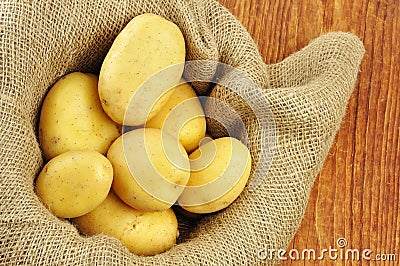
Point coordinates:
[(40, 41)]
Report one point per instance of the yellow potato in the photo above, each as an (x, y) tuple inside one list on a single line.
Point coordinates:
[(150, 169), (74, 183), (147, 44), (143, 233), (183, 117), (219, 172), (72, 117)]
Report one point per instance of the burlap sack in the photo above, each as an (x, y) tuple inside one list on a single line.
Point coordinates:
[(307, 93)]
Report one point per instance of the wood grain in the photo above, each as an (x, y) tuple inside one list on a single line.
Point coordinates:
[(356, 195)]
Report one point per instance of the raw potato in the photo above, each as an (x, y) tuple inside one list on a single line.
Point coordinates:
[(75, 182), (151, 169), (183, 117), (143, 233), (219, 172), (147, 44), (72, 117)]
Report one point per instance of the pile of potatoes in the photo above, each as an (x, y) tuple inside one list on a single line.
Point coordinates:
[(124, 183)]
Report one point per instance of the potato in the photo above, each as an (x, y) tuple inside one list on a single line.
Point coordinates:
[(151, 169), (147, 44), (75, 182), (219, 172), (183, 117), (143, 233), (72, 118)]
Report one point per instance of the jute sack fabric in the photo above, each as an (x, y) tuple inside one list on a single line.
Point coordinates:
[(40, 41)]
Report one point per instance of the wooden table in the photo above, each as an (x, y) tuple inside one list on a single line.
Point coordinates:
[(356, 195)]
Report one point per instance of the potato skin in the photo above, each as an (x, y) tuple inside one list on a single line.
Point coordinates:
[(141, 154), (147, 44), (183, 117), (72, 118), (143, 233), (74, 183), (223, 157)]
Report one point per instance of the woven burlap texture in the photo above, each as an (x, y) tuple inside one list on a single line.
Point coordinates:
[(40, 41)]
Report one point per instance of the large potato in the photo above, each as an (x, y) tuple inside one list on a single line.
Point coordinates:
[(183, 117), (72, 117), (143, 233), (151, 169), (74, 183), (220, 169), (147, 44)]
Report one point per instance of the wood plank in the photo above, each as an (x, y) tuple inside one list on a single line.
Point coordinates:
[(356, 195)]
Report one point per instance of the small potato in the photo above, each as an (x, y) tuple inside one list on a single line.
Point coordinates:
[(148, 44), (219, 172), (72, 117), (151, 169), (143, 233), (183, 117), (74, 183)]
